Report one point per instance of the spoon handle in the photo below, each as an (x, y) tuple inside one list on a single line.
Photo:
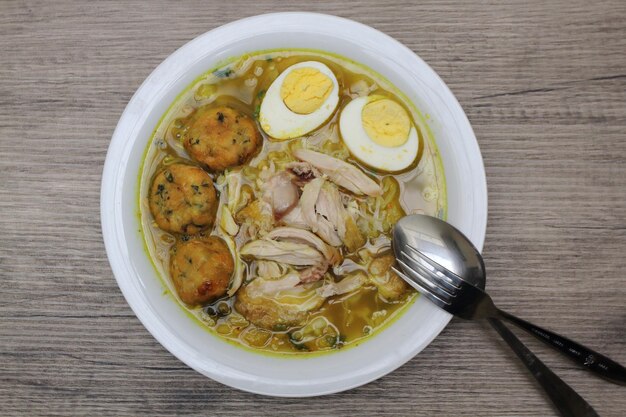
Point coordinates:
[(564, 398), (580, 354)]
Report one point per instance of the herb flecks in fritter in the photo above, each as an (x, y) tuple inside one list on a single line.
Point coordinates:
[(201, 269), (221, 137), (182, 199)]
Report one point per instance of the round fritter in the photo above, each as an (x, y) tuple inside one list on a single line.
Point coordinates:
[(221, 137), (183, 199), (201, 269), (390, 286)]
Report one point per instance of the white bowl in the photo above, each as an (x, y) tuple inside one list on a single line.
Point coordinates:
[(136, 277)]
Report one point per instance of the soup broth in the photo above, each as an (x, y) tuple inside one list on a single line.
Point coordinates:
[(342, 319)]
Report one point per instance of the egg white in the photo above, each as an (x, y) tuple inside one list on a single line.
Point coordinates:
[(363, 148), (279, 122)]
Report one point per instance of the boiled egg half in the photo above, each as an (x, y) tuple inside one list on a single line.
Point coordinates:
[(299, 100), (379, 132)]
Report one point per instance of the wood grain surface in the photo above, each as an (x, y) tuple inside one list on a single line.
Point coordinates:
[(544, 86)]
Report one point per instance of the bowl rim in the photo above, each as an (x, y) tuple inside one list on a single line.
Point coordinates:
[(112, 233)]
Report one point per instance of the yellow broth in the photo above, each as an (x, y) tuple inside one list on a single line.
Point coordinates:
[(343, 320)]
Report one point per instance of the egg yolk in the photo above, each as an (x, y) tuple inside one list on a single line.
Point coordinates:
[(386, 122), (304, 90)]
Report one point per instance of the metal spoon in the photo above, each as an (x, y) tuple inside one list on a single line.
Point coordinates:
[(447, 261), (451, 250)]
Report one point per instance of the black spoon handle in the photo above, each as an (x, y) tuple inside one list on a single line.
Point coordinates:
[(580, 354), (564, 398)]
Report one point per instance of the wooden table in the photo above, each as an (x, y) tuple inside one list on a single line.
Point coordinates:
[(544, 86)]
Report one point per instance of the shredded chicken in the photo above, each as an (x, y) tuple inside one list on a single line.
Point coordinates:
[(314, 201), (297, 254), (269, 269), (348, 284), (293, 234), (331, 217), (294, 218), (316, 222), (347, 266), (327, 231), (329, 205), (312, 273), (339, 216), (292, 246), (260, 287), (340, 172), (310, 193)]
